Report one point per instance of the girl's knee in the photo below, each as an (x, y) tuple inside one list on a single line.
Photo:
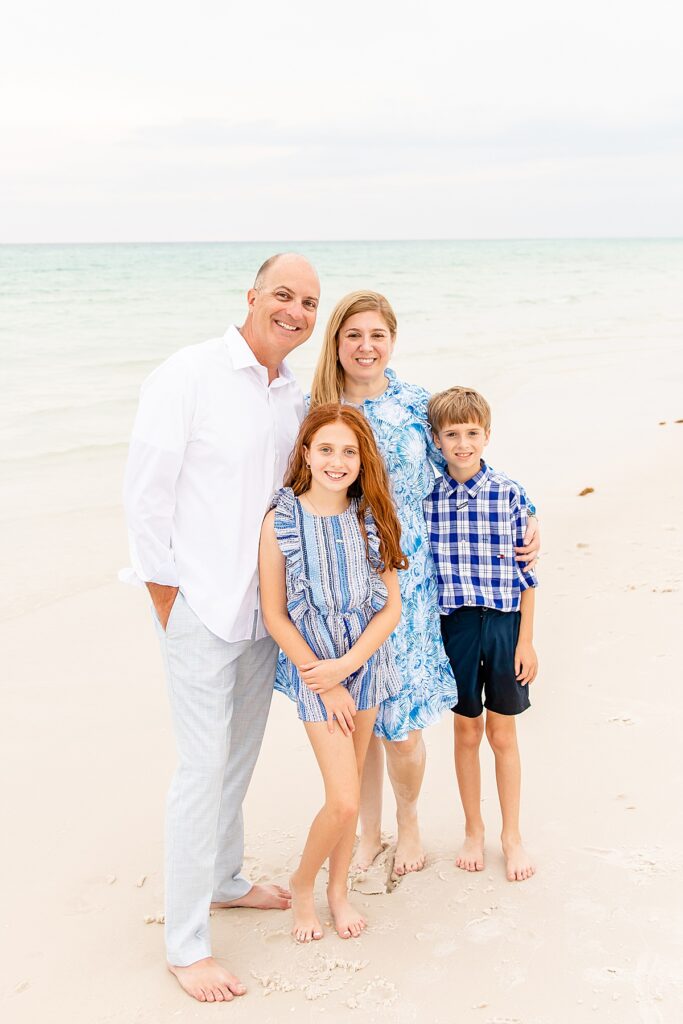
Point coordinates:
[(343, 810)]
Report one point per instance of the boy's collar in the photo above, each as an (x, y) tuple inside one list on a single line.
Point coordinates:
[(473, 485)]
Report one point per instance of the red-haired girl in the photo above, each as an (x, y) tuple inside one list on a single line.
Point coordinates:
[(330, 548)]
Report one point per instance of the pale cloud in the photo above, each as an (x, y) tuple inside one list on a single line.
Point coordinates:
[(144, 122)]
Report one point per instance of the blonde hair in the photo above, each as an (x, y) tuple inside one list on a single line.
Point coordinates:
[(328, 379), (458, 405)]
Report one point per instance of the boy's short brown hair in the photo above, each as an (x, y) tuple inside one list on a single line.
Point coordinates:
[(458, 405)]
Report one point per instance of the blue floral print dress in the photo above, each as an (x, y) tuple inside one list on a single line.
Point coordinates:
[(399, 420)]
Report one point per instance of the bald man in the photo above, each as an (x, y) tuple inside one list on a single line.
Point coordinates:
[(213, 433)]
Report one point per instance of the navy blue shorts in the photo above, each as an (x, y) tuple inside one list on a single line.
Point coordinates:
[(480, 644)]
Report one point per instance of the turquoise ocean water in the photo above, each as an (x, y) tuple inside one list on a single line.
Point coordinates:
[(82, 325)]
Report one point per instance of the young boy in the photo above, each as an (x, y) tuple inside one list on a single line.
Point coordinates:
[(475, 518)]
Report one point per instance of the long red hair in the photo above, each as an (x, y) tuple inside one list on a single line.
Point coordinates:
[(371, 486)]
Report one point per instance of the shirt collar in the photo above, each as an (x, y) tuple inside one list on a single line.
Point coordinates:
[(242, 356), (393, 386), (473, 485)]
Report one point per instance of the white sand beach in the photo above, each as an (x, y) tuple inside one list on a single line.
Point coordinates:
[(595, 936)]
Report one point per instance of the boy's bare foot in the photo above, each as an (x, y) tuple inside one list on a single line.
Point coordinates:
[(208, 982), (367, 851), (471, 854), (348, 922), (409, 854), (518, 863), (306, 925), (260, 897)]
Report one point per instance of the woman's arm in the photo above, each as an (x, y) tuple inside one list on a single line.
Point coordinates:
[(322, 675)]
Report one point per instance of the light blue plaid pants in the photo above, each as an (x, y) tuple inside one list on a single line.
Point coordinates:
[(220, 695)]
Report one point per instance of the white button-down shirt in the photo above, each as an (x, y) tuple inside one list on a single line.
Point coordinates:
[(210, 445)]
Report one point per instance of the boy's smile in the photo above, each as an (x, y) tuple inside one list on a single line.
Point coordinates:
[(462, 445)]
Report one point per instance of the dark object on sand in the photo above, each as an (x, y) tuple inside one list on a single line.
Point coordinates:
[(586, 490)]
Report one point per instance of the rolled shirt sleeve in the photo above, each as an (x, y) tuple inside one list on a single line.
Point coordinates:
[(162, 431), (519, 512)]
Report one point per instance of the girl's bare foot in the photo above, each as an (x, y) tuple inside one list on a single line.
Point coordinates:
[(306, 925), (518, 863), (409, 854), (260, 897), (366, 853), (348, 922), (208, 982), (471, 854)]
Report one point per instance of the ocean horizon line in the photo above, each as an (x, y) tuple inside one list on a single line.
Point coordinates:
[(351, 241)]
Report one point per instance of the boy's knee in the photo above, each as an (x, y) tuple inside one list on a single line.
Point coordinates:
[(501, 735), (469, 731)]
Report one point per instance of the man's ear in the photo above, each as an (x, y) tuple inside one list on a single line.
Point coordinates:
[(251, 297)]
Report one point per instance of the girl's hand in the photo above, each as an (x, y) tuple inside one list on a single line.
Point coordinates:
[(339, 705), (530, 553), (526, 662), (321, 676)]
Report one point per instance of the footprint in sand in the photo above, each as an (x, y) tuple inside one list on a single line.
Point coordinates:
[(378, 994)]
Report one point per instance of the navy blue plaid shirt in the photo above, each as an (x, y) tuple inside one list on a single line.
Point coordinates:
[(474, 529)]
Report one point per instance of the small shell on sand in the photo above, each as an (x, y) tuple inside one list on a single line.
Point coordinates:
[(111, 879), (154, 918), (583, 545), (586, 490), (141, 881)]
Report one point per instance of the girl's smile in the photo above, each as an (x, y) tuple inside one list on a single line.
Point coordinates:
[(334, 460)]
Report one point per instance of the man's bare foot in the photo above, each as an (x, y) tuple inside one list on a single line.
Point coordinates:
[(471, 854), (306, 925), (366, 853), (260, 897), (518, 863), (207, 981), (348, 922), (409, 854)]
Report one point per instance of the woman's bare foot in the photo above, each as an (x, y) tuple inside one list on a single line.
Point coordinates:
[(518, 863), (208, 982), (409, 854), (306, 925), (348, 922), (471, 854), (260, 897), (367, 851)]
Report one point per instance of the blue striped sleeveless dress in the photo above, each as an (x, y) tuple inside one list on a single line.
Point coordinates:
[(333, 591)]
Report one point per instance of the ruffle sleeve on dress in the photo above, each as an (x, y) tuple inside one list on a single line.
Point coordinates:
[(288, 536), (379, 594)]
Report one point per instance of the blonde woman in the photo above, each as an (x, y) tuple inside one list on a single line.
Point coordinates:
[(353, 368)]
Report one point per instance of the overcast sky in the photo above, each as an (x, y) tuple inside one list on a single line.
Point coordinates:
[(312, 120)]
